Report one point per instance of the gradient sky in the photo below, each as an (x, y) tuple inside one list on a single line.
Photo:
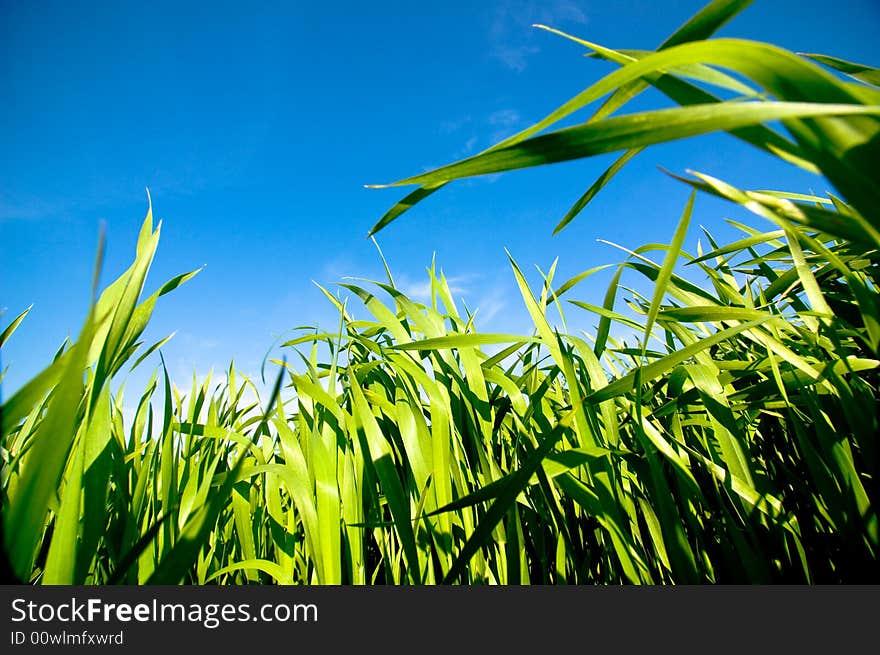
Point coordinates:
[(256, 125)]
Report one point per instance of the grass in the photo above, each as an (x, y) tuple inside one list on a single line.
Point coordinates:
[(731, 437)]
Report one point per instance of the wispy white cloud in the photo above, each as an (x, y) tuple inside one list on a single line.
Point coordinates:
[(489, 306), (454, 125), (484, 132), (61, 205), (511, 36), (504, 117), (514, 56), (484, 295), (503, 123), (31, 208), (421, 289)]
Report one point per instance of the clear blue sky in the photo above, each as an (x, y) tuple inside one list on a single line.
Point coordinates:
[(255, 126)]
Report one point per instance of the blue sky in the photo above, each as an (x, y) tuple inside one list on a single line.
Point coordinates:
[(256, 126)]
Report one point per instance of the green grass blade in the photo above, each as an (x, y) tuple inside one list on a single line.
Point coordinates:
[(633, 131), (861, 72), (665, 274), (7, 332)]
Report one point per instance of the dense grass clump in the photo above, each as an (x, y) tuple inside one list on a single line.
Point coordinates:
[(730, 437)]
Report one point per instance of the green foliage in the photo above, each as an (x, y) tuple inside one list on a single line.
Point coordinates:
[(723, 429)]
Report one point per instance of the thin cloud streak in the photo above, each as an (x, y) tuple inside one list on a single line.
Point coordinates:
[(511, 37)]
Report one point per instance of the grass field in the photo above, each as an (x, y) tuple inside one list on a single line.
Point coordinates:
[(731, 436)]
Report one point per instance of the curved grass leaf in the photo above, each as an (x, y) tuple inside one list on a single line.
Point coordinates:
[(632, 131)]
